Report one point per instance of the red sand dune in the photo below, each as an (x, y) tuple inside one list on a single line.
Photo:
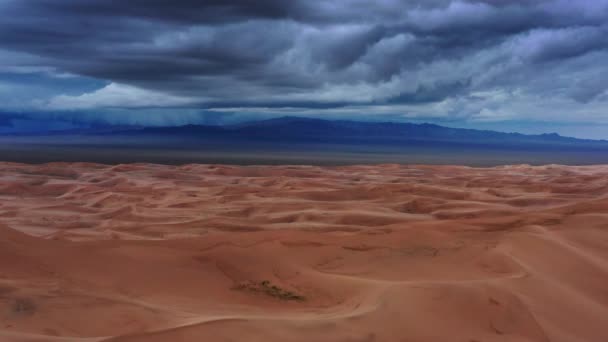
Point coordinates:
[(295, 253)]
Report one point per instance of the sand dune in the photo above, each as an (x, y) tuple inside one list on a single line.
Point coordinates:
[(299, 253)]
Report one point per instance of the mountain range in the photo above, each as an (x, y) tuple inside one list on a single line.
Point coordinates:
[(310, 130), (301, 141)]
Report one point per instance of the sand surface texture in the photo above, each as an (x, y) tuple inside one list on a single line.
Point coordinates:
[(362, 253)]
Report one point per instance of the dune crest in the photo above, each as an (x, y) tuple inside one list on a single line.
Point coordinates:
[(144, 252)]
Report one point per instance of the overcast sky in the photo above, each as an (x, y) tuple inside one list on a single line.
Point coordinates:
[(530, 65)]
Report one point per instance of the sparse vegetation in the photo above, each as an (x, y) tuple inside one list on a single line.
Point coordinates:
[(269, 289), (23, 306)]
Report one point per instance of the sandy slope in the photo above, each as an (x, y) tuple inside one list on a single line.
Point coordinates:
[(364, 253)]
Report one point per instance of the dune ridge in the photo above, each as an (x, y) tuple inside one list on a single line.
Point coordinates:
[(145, 252)]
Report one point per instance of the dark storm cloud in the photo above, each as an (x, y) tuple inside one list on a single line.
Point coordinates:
[(312, 54), (177, 11)]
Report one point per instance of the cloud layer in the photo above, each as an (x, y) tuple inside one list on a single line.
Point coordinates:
[(478, 60)]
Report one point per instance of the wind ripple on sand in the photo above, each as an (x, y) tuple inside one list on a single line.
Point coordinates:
[(146, 252)]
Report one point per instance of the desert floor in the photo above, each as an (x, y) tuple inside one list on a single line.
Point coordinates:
[(143, 252)]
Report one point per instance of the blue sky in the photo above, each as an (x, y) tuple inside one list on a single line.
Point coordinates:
[(530, 66)]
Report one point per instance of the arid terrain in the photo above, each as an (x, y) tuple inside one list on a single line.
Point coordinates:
[(143, 252)]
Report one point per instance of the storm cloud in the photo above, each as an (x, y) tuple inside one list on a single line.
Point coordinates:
[(474, 60)]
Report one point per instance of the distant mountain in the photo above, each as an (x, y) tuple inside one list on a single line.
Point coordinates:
[(289, 140), (305, 127), (286, 131), (307, 130)]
